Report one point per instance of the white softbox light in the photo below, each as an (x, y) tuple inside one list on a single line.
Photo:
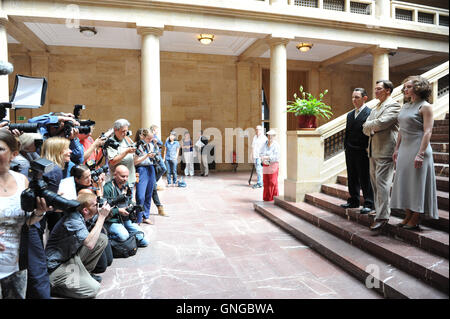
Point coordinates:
[(29, 92)]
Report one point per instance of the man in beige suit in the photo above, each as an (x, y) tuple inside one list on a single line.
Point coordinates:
[(382, 128)]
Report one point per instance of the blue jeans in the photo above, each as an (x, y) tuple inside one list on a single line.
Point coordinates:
[(259, 171), (121, 232), (144, 189), (171, 171), (164, 168)]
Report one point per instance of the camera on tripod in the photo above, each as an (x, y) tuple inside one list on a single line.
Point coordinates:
[(39, 188)]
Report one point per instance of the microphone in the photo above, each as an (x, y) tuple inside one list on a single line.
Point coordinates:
[(6, 68)]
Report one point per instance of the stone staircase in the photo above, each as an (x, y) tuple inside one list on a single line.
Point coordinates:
[(397, 263)]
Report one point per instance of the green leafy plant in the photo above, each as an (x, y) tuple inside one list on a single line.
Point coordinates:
[(307, 104)]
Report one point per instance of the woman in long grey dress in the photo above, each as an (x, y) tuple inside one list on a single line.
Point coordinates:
[(414, 188)]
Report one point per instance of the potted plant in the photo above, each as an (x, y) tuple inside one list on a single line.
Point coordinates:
[(307, 108)]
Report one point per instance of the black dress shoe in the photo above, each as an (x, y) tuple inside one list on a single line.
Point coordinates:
[(348, 205), (415, 227), (365, 210), (378, 224)]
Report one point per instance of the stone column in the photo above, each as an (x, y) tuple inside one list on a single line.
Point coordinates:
[(4, 85), (382, 9), (278, 98), (150, 76), (380, 67)]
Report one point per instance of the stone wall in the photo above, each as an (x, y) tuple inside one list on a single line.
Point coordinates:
[(217, 90)]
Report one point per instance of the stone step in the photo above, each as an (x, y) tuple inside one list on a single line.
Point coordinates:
[(439, 157), (440, 147), (440, 129), (341, 191), (393, 282), (442, 183), (441, 224), (441, 169), (439, 138), (432, 240), (440, 123), (431, 268)]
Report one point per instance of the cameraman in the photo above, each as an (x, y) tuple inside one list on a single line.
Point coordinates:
[(91, 147), (29, 143), (85, 185), (125, 153), (146, 172), (54, 124), (73, 251), (119, 226)]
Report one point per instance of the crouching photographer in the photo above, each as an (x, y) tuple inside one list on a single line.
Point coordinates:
[(73, 251), (122, 223)]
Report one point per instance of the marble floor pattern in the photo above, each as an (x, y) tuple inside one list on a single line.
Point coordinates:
[(214, 245)]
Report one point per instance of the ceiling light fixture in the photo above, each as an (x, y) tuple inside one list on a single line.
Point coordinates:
[(205, 38), (304, 47), (88, 31)]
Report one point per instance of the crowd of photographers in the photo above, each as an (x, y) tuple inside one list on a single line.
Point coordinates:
[(107, 206)]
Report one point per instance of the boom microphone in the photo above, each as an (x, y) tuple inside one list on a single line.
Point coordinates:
[(6, 68)]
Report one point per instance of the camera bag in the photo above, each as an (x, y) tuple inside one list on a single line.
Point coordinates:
[(124, 249)]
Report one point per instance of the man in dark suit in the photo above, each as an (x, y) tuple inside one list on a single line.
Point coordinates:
[(356, 158)]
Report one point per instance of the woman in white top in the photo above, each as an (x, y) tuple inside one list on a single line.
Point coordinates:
[(270, 156), (13, 282)]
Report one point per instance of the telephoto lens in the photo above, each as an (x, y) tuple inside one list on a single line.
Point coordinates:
[(25, 127)]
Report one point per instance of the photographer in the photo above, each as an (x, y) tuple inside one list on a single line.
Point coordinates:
[(91, 147), (73, 251), (30, 144), (13, 282), (146, 171), (120, 226), (63, 125), (124, 154), (55, 149), (86, 185)]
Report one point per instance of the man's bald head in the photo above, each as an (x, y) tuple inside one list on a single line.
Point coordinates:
[(121, 173)]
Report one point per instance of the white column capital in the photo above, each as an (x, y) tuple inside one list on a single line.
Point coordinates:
[(150, 30), (272, 41), (378, 50)]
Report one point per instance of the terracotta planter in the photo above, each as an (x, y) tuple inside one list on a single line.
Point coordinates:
[(307, 121)]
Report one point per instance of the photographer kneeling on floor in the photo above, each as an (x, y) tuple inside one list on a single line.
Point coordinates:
[(72, 251), (122, 223)]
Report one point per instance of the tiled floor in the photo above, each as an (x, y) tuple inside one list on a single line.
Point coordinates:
[(214, 245)]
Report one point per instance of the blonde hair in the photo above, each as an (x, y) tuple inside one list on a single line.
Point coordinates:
[(53, 150)]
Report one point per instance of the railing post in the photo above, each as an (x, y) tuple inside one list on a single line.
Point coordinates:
[(435, 92), (347, 6), (304, 162)]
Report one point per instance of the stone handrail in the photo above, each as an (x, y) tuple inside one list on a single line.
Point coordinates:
[(309, 164)]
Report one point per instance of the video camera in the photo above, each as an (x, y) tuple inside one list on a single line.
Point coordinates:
[(38, 187), (23, 127)]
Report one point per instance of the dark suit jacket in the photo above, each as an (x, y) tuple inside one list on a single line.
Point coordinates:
[(355, 139)]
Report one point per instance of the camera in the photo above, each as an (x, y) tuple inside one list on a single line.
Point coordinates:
[(111, 142), (38, 187), (133, 211), (68, 126), (121, 199), (96, 173)]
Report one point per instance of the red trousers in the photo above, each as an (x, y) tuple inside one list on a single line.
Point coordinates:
[(270, 181)]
